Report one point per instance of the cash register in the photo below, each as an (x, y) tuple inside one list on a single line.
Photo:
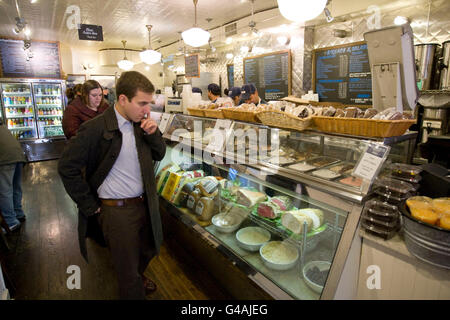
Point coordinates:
[(173, 104)]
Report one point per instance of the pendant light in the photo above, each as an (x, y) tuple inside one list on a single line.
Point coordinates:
[(150, 56), (196, 37), (301, 10), (125, 64)]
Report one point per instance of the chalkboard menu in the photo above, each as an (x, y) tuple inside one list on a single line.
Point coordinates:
[(270, 73), (342, 74), (192, 66), (45, 62), (230, 75)]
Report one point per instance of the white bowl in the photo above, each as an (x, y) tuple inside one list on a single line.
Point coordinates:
[(217, 221), (321, 265), (284, 255), (254, 244)]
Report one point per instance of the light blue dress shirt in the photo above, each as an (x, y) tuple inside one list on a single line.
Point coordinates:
[(125, 178)]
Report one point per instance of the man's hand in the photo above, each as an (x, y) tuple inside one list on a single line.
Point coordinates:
[(149, 125)]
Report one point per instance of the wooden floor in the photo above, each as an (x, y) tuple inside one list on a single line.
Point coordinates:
[(47, 244)]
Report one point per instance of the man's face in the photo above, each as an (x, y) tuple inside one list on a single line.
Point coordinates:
[(210, 96), (136, 109), (254, 98)]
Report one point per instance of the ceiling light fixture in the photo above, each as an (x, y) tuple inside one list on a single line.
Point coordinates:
[(229, 40), (328, 15), (196, 37), (301, 10), (252, 23), (125, 64), (399, 20), (150, 56), (245, 49), (283, 40), (229, 56)]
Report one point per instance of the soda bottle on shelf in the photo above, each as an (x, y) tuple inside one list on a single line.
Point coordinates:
[(10, 123), (7, 110)]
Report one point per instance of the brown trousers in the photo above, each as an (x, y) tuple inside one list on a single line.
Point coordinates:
[(127, 232)]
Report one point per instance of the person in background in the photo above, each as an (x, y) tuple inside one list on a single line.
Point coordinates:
[(12, 159), (197, 90), (88, 106), (78, 90), (250, 95), (226, 91), (235, 95), (158, 102), (116, 152), (109, 95), (213, 92), (70, 95)]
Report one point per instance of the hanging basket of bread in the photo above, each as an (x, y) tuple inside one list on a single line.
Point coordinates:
[(368, 123), (245, 112), (293, 117), (196, 111)]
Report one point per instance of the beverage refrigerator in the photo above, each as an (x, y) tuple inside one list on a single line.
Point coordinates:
[(33, 109)]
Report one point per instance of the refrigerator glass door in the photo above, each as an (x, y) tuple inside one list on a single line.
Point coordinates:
[(49, 109), (17, 103)]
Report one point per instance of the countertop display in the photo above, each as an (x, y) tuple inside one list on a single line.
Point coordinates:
[(283, 232)]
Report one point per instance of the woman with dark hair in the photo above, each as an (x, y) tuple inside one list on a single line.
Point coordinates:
[(89, 105)]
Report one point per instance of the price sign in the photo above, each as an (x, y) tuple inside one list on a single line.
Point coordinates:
[(220, 133), (371, 161), (164, 122)]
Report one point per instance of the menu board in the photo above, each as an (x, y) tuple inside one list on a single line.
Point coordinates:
[(230, 75), (45, 62), (270, 73), (342, 74), (192, 66)]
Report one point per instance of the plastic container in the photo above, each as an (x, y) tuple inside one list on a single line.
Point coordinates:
[(405, 171), (381, 210), (393, 191), (386, 225), (377, 231)]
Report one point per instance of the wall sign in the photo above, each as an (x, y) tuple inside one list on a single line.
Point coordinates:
[(270, 73), (230, 75), (90, 32), (192, 66), (342, 74), (45, 63)]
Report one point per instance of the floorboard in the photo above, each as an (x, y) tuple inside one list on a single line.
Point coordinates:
[(47, 244)]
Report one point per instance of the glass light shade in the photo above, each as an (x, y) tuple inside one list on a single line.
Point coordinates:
[(150, 56), (125, 64), (195, 37), (301, 10)]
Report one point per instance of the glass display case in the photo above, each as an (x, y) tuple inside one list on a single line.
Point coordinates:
[(284, 204), (49, 109), (17, 102)]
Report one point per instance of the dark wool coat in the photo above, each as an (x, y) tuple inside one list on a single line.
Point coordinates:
[(90, 155)]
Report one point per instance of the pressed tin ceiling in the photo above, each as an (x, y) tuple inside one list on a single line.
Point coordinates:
[(126, 19)]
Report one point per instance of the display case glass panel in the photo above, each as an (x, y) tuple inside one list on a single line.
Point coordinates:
[(49, 109), (285, 235), (17, 104)]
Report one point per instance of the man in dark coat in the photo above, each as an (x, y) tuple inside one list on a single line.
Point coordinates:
[(107, 169)]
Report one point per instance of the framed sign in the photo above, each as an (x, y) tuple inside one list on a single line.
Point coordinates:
[(230, 75), (73, 79), (271, 73), (106, 81), (90, 32), (44, 63), (192, 66), (342, 74)]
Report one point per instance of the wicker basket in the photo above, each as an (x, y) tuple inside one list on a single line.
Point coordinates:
[(241, 115), (281, 119), (196, 112), (214, 113), (363, 127)]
